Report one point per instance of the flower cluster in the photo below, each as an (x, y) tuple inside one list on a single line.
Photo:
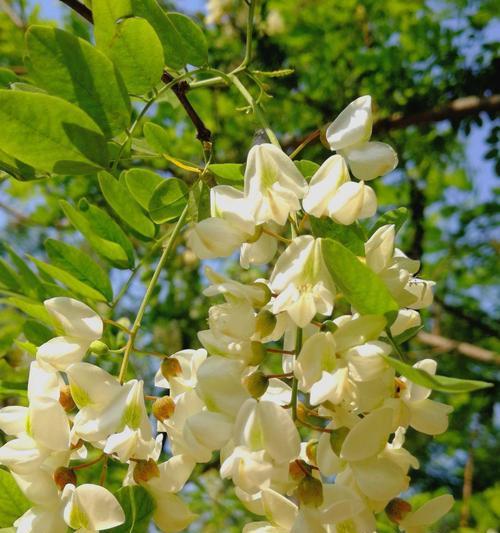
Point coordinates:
[(299, 401)]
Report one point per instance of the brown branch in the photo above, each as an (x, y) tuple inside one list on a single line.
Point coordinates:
[(470, 350), (80, 8), (179, 89), (456, 109)]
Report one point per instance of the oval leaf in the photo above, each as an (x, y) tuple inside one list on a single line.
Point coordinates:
[(50, 134), (13, 503), (138, 506), (125, 207), (228, 173), (396, 216), (361, 287), (80, 265), (102, 233), (141, 183), (69, 67), (439, 383), (137, 52), (349, 236), (168, 201), (183, 41)]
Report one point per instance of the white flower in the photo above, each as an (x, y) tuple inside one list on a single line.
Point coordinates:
[(302, 282), (331, 193), (80, 325), (91, 508), (396, 270), (430, 512), (190, 361), (273, 184), (349, 134), (41, 519)]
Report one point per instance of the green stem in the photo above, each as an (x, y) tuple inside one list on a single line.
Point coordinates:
[(249, 37), (256, 109), (395, 345), (149, 291), (295, 382)]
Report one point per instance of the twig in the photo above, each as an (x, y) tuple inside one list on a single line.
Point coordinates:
[(80, 8)]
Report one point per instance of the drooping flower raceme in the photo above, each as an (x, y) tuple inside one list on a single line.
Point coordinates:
[(294, 391)]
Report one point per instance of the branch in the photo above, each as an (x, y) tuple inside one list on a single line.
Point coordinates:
[(456, 109), (469, 350), (80, 8), (7, 9), (179, 89)]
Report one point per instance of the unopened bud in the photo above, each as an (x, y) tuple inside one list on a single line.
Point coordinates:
[(310, 492), (297, 470), (329, 325), (256, 235), (145, 471), (163, 408), (265, 323), (337, 438), (170, 367), (311, 451), (266, 294), (65, 398), (63, 476), (256, 384), (397, 509), (258, 353), (99, 348)]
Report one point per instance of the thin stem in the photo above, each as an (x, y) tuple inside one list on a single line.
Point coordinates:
[(286, 375), (395, 345), (104, 471), (281, 352), (314, 135), (295, 382), (90, 463), (256, 109), (249, 37), (276, 235), (149, 291), (116, 324), (80, 8), (312, 426)]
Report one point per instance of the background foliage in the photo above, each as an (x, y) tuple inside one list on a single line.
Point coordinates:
[(430, 67)]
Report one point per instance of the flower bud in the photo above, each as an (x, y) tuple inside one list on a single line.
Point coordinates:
[(397, 509), (256, 384), (337, 438), (258, 353), (296, 470), (63, 476), (310, 492), (265, 323), (65, 398), (311, 450), (170, 367), (163, 408), (256, 236), (266, 294), (99, 348), (145, 471)]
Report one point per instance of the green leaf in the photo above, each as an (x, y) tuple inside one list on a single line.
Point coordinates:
[(439, 383), (36, 332), (73, 69), (7, 77), (168, 201), (349, 236), (407, 335), (137, 52), (106, 14), (228, 173), (361, 287), (183, 41), (17, 169), (138, 506), (30, 284), (79, 265), (78, 287), (8, 277), (13, 503), (125, 207), (141, 183), (307, 168), (396, 216), (102, 233), (157, 137), (30, 307), (50, 134), (199, 202)]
